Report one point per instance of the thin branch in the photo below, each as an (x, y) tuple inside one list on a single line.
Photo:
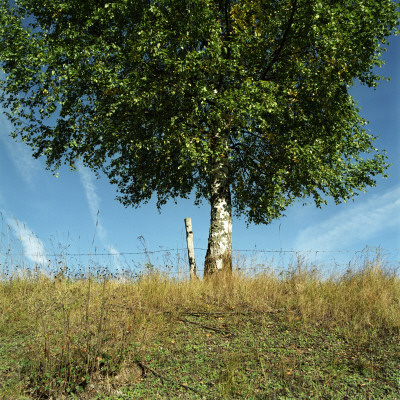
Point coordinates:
[(219, 313), (211, 328), (276, 54), (164, 378)]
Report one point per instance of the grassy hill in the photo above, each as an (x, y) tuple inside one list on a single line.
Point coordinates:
[(289, 336)]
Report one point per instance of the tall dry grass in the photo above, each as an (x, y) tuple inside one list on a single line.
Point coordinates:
[(74, 328)]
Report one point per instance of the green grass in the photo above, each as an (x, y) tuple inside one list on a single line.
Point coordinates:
[(292, 336)]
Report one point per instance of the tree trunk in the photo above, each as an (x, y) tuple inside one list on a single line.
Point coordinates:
[(219, 252)]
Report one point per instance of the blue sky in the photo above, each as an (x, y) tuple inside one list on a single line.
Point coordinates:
[(43, 215)]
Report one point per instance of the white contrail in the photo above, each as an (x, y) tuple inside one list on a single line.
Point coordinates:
[(116, 258), (93, 199), (357, 222), (19, 153), (33, 247)]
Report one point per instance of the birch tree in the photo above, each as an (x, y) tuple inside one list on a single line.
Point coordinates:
[(244, 104)]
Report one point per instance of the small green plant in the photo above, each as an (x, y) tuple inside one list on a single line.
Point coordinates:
[(230, 374)]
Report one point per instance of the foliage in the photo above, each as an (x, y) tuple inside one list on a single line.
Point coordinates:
[(143, 90)]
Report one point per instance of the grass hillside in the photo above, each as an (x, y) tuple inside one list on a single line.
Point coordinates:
[(290, 336)]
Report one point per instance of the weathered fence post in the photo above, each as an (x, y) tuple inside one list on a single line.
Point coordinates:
[(189, 241)]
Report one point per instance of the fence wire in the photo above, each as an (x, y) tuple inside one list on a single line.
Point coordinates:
[(145, 252), (174, 261)]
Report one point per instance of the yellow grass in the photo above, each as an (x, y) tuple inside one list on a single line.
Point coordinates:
[(72, 328)]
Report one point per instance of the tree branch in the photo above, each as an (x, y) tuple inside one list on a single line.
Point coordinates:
[(211, 328), (278, 51), (164, 378)]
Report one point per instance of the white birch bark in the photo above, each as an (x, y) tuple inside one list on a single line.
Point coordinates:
[(219, 252)]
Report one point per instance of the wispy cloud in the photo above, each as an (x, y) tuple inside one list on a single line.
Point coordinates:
[(93, 199), (19, 153), (33, 247), (116, 258), (356, 223)]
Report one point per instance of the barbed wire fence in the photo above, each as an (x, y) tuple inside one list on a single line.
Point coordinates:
[(174, 261), (22, 253)]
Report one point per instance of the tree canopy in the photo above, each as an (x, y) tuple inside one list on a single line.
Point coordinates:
[(158, 94)]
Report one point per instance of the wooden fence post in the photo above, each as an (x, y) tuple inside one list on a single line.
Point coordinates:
[(189, 241)]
